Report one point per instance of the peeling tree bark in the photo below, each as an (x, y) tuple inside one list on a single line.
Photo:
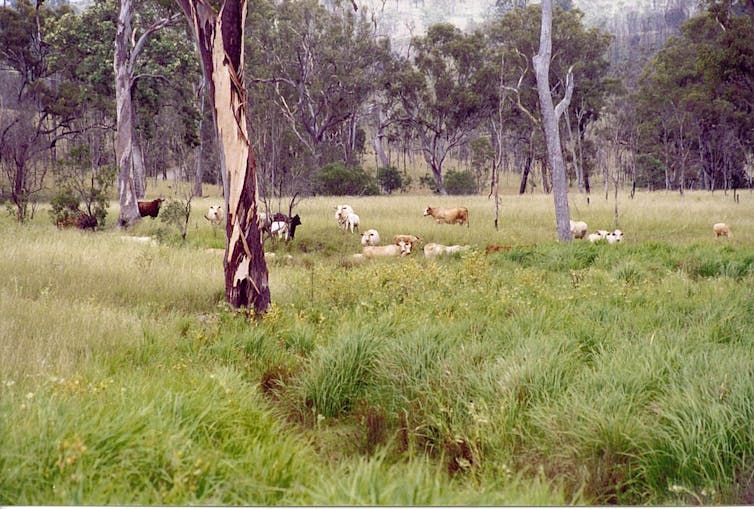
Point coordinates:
[(129, 209), (550, 117), (219, 39)]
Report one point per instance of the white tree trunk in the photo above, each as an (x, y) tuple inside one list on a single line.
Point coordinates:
[(550, 117), (129, 209)]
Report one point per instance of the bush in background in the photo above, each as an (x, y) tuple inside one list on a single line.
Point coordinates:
[(460, 182), (390, 179), (338, 180), (79, 183)]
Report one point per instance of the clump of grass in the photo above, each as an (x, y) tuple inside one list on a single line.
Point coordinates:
[(338, 375), (143, 439)]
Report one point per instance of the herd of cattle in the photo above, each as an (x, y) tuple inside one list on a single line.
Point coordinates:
[(284, 226)]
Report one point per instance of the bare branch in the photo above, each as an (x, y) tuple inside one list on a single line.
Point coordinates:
[(563, 104)]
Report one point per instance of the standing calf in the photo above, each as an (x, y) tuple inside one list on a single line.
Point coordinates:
[(150, 208)]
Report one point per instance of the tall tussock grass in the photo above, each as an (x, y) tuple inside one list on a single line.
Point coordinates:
[(543, 374)]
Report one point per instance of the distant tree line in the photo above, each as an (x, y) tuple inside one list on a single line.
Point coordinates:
[(324, 90)]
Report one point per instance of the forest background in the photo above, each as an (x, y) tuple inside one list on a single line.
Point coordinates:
[(663, 104)]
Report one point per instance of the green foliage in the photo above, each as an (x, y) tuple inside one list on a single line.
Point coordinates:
[(79, 184), (690, 107), (460, 182), (65, 207), (176, 213), (337, 179), (389, 178), (339, 374)]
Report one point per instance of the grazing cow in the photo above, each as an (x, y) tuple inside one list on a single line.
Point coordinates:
[(280, 228), (432, 249), (284, 226), (402, 249), (215, 214), (150, 208), (721, 230), (458, 215), (578, 229), (370, 238)]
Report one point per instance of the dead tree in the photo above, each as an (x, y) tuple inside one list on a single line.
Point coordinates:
[(550, 117)]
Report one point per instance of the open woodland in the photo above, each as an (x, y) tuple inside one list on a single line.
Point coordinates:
[(140, 367), (552, 373)]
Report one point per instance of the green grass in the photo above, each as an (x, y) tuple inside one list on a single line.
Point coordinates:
[(548, 374)]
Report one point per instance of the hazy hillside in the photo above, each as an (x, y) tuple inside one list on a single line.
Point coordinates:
[(640, 26)]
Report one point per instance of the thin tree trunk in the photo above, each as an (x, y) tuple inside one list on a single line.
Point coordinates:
[(550, 116), (140, 175), (527, 169), (220, 40), (129, 209), (199, 176), (576, 165)]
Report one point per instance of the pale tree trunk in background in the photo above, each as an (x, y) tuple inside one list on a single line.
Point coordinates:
[(199, 177), (219, 39), (137, 155), (129, 209), (128, 153), (383, 160), (550, 117)]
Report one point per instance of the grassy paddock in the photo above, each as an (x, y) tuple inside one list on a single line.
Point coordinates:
[(548, 374)]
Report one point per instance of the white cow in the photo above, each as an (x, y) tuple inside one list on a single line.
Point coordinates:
[(215, 214), (370, 238)]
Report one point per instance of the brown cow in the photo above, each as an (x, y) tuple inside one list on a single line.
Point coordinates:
[(150, 208), (454, 215)]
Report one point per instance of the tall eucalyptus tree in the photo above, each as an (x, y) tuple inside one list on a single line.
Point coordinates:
[(445, 92), (128, 49), (219, 37)]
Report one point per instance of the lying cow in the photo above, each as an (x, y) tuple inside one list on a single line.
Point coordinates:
[(433, 249), (401, 249), (370, 237)]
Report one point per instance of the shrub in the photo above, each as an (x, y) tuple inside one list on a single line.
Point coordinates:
[(336, 179), (389, 178), (77, 184), (65, 207), (460, 182), (177, 213), (428, 181)]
